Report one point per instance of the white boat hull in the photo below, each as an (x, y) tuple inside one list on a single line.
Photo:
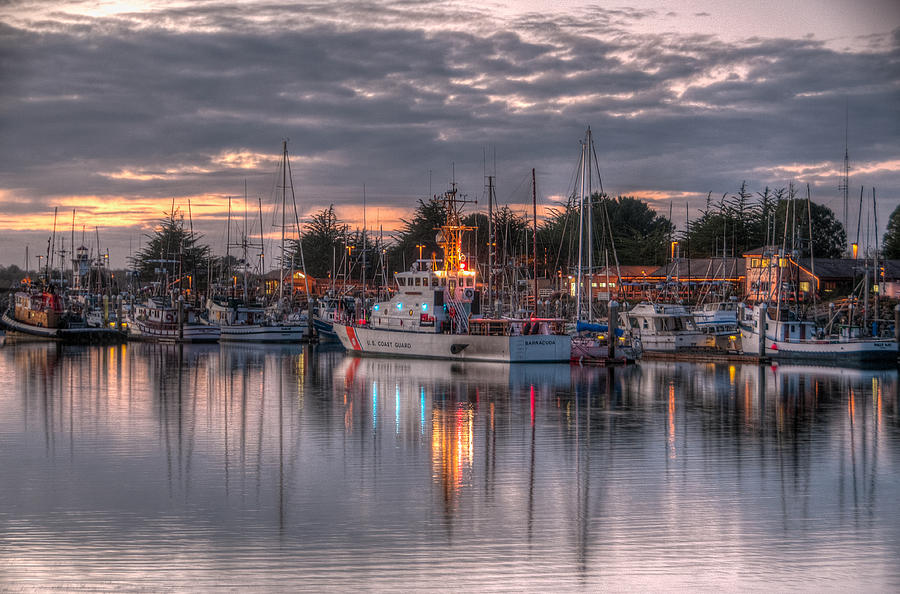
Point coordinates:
[(763, 336), (820, 349), (257, 333), (671, 343), (139, 330), (531, 348)]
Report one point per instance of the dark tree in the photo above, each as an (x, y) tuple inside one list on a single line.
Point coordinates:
[(323, 241), (890, 246), (828, 237), (421, 229), (173, 256), (736, 225), (639, 235)]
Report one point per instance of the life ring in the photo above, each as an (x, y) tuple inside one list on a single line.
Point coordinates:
[(170, 317), (452, 312), (469, 293)]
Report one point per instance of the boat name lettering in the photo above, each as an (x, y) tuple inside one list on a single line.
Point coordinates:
[(388, 344), (545, 341)]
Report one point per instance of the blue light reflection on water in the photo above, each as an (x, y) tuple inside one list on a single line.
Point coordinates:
[(154, 466)]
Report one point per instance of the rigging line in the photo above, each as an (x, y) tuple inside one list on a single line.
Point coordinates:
[(290, 176)]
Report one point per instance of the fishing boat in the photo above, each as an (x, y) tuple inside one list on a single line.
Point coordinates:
[(42, 313), (780, 334), (665, 327), (164, 320), (431, 315), (329, 311), (719, 321), (238, 318), (241, 322)]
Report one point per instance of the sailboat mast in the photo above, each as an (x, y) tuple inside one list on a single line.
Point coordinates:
[(877, 273), (364, 246), (534, 236), (812, 259), (228, 246), (580, 242), (491, 242), (262, 241), (244, 245), (590, 228), (283, 199)]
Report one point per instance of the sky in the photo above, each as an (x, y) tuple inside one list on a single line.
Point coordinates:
[(119, 109)]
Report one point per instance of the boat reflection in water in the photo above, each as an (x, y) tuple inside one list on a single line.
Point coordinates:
[(150, 466)]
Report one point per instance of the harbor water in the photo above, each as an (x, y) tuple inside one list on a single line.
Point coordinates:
[(152, 467)]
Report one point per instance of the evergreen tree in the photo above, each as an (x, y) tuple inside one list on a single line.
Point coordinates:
[(421, 229), (173, 255), (322, 240), (737, 225), (890, 243)]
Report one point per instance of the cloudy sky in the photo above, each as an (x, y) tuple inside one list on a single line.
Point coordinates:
[(118, 108)]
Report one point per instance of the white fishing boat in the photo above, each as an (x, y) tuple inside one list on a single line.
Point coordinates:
[(239, 322), (431, 315), (239, 315), (159, 319), (717, 317), (780, 335), (665, 327), (719, 321)]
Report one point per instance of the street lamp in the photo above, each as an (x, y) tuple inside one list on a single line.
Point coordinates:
[(347, 263), (421, 247)]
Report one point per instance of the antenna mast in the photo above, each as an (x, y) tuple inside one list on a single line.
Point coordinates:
[(844, 185)]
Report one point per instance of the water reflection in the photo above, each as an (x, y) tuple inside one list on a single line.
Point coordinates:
[(149, 465)]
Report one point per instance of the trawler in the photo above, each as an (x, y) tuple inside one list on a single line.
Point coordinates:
[(435, 314), (665, 327), (42, 312), (780, 334), (166, 319)]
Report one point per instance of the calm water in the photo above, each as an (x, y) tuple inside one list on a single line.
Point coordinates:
[(152, 467)]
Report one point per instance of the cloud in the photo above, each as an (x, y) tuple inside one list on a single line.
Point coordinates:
[(136, 106)]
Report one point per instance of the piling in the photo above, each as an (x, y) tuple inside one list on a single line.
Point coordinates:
[(612, 325), (180, 318), (761, 328)]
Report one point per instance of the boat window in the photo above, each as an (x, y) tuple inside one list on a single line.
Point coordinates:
[(452, 283), (470, 282), (418, 281), (443, 282), (646, 326), (401, 281), (434, 282)]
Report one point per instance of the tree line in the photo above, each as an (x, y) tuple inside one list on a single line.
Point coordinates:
[(624, 229)]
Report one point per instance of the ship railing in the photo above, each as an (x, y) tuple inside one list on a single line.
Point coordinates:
[(457, 312)]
